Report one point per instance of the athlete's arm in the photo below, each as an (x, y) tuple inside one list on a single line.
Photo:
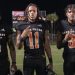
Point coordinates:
[(61, 40), (19, 40), (21, 36), (12, 51), (25, 32), (48, 48)]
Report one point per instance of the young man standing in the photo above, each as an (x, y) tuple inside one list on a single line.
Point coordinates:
[(34, 35), (6, 39), (66, 40)]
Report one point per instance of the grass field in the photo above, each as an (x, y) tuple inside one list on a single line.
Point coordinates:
[(57, 59)]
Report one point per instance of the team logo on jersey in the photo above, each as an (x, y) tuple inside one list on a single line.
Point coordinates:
[(2, 34), (39, 25), (2, 29), (36, 29), (71, 31)]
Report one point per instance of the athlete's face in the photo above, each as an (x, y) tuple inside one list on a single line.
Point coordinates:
[(70, 14), (32, 13)]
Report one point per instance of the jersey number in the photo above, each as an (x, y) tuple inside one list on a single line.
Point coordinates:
[(36, 35)]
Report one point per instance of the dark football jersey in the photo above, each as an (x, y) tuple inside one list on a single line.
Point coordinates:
[(69, 46), (4, 33), (65, 28), (34, 42)]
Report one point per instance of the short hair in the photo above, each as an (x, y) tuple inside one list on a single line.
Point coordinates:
[(26, 10), (70, 6)]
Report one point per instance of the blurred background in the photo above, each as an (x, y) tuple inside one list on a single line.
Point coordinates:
[(12, 12)]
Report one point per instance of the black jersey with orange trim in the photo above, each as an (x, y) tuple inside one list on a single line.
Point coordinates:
[(34, 42), (64, 27), (4, 33), (69, 46)]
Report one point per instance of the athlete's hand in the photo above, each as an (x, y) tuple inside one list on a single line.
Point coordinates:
[(25, 32), (50, 66), (67, 37), (14, 67), (72, 36)]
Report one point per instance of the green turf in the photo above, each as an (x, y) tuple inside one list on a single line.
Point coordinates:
[(57, 59)]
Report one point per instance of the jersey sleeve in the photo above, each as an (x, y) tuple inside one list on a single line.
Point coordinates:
[(58, 27), (46, 25), (18, 26), (9, 30), (21, 26)]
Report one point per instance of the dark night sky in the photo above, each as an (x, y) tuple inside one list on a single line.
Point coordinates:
[(6, 6), (48, 5)]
